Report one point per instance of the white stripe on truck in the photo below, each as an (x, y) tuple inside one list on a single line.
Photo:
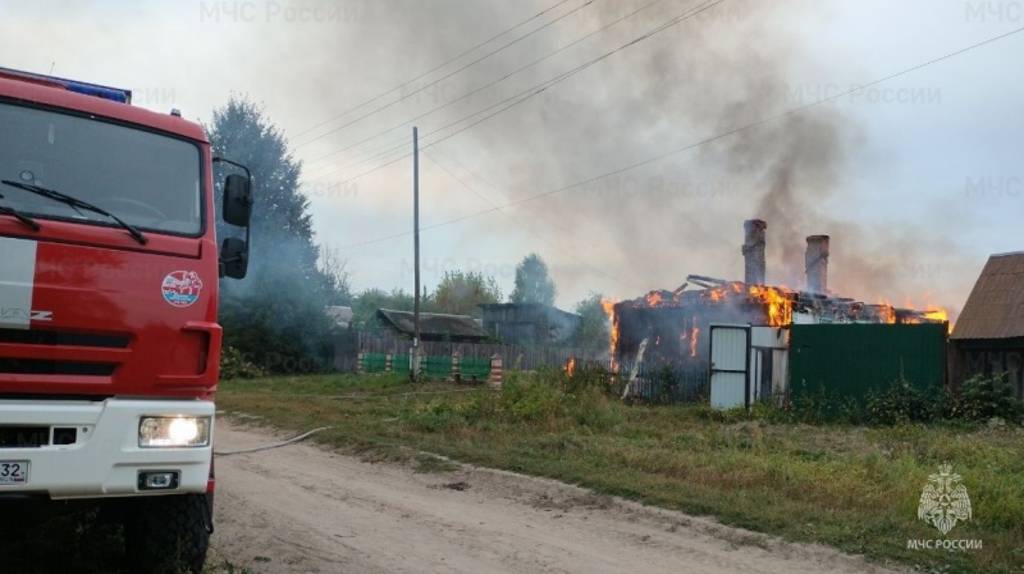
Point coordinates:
[(17, 279)]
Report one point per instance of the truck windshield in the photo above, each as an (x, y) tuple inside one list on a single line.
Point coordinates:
[(149, 180)]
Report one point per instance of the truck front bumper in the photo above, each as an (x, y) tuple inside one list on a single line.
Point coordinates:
[(105, 460)]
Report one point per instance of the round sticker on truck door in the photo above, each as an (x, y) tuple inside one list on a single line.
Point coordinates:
[(182, 288)]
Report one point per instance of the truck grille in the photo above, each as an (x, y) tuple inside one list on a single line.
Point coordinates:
[(63, 338), (48, 367)]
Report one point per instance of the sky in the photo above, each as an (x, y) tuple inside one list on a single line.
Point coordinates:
[(917, 178)]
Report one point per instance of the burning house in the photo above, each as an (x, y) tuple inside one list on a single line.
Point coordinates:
[(674, 330)]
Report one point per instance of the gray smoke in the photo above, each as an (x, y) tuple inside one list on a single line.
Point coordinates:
[(728, 68), (735, 64), (739, 62)]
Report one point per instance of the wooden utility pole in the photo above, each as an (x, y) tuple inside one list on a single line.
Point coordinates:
[(414, 370)]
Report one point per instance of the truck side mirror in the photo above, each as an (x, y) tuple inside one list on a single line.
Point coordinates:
[(237, 200), (234, 258)]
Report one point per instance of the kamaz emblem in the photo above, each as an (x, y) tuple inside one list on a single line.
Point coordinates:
[(11, 314)]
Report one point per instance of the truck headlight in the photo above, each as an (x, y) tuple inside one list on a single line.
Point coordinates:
[(165, 432)]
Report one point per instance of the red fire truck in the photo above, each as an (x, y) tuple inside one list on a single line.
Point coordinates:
[(109, 342)]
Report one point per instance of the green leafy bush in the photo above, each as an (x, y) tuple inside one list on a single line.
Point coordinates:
[(982, 398), (826, 406), (234, 365), (530, 400), (548, 398), (903, 403), (437, 415), (586, 377)]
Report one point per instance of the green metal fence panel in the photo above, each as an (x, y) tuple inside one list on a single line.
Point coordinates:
[(850, 361), (400, 364), (374, 362), (478, 369), (436, 367)]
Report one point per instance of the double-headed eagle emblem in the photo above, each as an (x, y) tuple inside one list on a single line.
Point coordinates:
[(944, 500)]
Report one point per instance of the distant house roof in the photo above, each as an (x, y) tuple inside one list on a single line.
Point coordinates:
[(435, 326), (342, 316), (529, 307), (995, 309), (529, 323)]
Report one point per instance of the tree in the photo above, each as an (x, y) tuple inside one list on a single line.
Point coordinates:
[(366, 304), (533, 284), (335, 272), (461, 293), (275, 317), (240, 132), (593, 332)]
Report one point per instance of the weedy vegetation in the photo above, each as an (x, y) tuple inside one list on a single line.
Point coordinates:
[(853, 484)]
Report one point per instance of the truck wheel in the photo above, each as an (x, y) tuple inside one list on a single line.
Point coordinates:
[(169, 533)]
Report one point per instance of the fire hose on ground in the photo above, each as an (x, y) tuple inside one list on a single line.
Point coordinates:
[(290, 441)]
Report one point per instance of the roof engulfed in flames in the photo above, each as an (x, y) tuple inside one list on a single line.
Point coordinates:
[(671, 321), (781, 303), (735, 301), (778, 301)]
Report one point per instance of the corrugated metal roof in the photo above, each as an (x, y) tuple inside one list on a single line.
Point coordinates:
[(995, 309), (529, 306), (342, 316), (436, 325)]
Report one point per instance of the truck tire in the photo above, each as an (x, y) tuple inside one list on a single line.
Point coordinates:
[(169, 534)]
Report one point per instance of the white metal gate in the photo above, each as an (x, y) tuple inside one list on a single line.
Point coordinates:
[(730, 366)]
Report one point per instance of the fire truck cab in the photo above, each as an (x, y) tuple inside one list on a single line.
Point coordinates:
[(109, 342)]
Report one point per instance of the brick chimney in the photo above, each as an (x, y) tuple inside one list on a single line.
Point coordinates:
[(753, 251), (816, 263)]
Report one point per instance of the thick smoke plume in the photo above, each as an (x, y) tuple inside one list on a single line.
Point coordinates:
[(738, 62), (730, 67), (733, 65)]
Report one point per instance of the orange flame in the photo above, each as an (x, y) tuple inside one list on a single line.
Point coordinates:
[(780, 307), (887, 312), (653, 299), (694, 338), (938, 315), (932, 313), (613, 340), (570, 366)]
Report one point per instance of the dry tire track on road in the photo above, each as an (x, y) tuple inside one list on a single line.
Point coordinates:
[(302, 508)]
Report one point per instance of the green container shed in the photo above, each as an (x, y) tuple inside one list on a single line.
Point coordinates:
[(850, 360)]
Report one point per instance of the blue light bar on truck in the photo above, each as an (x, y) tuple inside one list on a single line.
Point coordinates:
[(106, 92)]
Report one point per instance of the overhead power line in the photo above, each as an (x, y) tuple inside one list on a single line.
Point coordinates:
[(556, 245), (475, 91), (402, 147), (390, 148), (450, 74), (462, 54), (535, 90), (722, 135)]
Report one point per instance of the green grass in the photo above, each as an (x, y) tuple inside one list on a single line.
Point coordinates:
[(851, 487)]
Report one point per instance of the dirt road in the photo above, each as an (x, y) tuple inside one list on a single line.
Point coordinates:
[(304, 509)]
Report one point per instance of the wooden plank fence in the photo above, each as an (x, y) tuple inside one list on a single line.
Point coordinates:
[(384, 352), (669, 383), (515, 358)]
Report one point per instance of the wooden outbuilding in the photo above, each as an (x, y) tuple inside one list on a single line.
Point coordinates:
[(989, 335)]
